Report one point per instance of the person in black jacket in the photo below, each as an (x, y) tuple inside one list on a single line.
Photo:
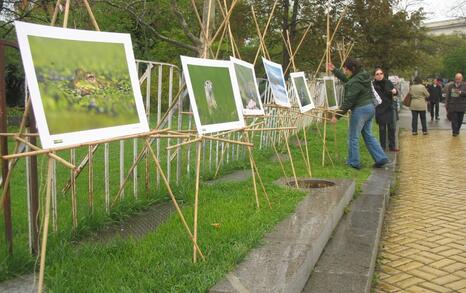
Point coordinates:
[(435, 94), (385, 113), (455, 102)]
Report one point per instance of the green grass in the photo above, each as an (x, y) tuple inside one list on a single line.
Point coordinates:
[(161, 260)]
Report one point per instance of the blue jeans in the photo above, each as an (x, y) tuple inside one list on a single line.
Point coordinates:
[(361, 123)]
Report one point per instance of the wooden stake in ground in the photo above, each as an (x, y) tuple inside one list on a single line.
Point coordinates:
[(291, 160), (196, 196), (172, 197), (43, 248)]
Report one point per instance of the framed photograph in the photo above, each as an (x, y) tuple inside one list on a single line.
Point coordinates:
[(213, 93), (330, 92), (83, 84), (301, 90), (277, 83), (248, 89)]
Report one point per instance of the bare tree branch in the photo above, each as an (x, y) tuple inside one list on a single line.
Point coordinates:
[(185, 25)]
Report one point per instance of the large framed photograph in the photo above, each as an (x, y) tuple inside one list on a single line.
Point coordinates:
[(301, 90), (83, 84), (277, 82), (330, 92), (213, 93), (248, 88)]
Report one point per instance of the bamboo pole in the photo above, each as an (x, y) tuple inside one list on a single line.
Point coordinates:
[(262, 46), (196, 197), (307, 152), (222, 156), (55, 13), (251, 162), (74, 203), (290, 50), (303, 155), (299, 45), (17, 134), (265, 30), (255, 170), (67, 12), (279, 160), (43, 248), (91, 15), (205, 137), (291, 160), (46, 151), (227, 18), (172, 197), (6, 181), (207, 44), (90, 179), (51, 155)]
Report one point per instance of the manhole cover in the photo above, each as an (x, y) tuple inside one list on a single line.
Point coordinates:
[(310, 183)]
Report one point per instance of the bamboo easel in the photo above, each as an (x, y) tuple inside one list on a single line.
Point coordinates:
[(327, 57), (52, 157)]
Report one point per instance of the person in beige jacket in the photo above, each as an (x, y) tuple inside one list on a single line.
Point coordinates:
[(418, 106)]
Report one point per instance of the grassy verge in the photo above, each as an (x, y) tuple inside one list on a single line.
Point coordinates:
[(161, 261)]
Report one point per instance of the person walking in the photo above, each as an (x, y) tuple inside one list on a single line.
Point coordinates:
[(358, 99), (435, 94), (455, 102), (385, 113), (418, 106)]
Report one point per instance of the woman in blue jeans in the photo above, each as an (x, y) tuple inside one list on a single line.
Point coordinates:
[(358, 99)]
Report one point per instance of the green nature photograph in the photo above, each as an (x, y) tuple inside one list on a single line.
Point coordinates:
[(330, 91), (303, 94), (247, 87), (83, 85), (213, 93)]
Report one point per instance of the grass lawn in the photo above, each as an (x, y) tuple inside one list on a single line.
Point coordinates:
[(161, 261)]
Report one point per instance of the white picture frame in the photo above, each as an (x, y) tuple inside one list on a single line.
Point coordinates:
[(50, 56), (302, 93), (214, 94), (331, 99), (277, 83), (249, 90)]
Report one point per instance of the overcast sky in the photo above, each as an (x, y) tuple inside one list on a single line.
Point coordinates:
[(438, 9)]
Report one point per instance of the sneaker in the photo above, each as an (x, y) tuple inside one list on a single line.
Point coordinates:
[(414, 133), (394, 150), (356, 167), (381, 163)]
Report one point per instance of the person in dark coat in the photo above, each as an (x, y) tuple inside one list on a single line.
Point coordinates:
[(435, 94), (385, 113), (455, 102), (358, 99)]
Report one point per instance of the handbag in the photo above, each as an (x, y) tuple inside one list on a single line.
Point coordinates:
[(376, 99), (407, 100)]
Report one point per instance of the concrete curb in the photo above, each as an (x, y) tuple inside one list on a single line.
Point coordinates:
[(348, 261), (285, 261)]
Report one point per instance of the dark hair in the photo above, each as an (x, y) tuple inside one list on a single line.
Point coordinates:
[(377, 68), (417, 80), (352, 65)]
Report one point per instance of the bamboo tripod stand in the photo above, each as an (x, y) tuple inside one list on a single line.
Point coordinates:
[(53, 157)]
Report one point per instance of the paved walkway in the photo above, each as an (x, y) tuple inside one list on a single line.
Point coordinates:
[(424, 242)]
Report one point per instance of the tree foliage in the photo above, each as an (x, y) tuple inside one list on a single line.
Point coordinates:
[(162, 30)]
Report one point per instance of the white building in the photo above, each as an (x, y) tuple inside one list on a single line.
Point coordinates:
[(446, 27)]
